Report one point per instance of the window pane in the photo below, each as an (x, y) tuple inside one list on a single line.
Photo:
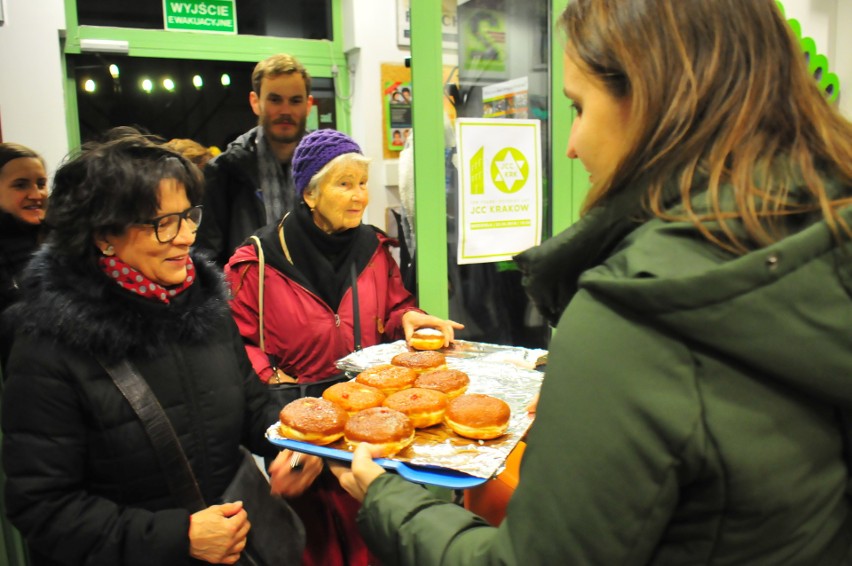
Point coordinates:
[(499, 41), (301, 19)]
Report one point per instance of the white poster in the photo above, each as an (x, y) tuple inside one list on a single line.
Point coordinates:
[(499, 188)]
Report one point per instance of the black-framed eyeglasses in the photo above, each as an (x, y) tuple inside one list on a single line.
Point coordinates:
[(167, 226)]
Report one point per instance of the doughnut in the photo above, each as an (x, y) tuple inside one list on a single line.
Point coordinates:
[(313, 420), (478, 416), (380, 426), (353, 397), (450, 381), (425, 407), (387, 378), (420, 361), (427, 339)]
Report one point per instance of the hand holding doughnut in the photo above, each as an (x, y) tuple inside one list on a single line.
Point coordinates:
[(413, 320)]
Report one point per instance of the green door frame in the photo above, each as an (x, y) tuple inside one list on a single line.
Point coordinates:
[(569, 182), (320, 57)]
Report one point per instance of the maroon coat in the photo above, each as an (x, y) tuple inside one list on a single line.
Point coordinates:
[(305, 337), (304, 334)]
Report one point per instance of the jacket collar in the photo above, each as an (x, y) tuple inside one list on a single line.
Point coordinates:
[(81, 308)]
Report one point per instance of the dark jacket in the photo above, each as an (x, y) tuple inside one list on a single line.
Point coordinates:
[(689, 414), (18, 242), (83, 483), (233, 202)]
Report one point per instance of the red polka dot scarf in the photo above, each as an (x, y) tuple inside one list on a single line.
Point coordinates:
[(132, 280)]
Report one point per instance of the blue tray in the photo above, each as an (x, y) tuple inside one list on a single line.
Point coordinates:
[(441, 477)]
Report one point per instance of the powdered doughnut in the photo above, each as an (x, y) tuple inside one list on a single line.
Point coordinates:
[(427, 339)]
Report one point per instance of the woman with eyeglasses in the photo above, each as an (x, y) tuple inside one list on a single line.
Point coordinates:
[(117, 280)]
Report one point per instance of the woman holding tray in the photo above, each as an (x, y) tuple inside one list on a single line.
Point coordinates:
[(330, 286), (697, 399)]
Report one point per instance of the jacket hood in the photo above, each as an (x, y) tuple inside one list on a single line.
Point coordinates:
[(84, 310), (783, 311)]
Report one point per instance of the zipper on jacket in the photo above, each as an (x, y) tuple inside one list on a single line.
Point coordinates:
[(337, 320)]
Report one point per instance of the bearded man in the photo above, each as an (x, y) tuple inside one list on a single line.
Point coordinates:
[(249, 185)]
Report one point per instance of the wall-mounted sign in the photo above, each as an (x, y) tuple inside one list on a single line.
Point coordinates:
[(507, 99), (499, 188), (211, 16), (449, 24), (483, 40)]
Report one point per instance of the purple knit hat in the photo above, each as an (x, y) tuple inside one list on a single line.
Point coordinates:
[(314, 151)]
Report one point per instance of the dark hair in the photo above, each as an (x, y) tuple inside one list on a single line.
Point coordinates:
[(108, 186), (718, 88), (10, 151)]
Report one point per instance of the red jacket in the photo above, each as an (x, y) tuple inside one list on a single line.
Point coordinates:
[(305, 337), (303, 334)]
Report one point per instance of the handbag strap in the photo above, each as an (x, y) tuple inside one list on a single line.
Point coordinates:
[(261, 266), (261, 329), (172, 459), (356, 311)]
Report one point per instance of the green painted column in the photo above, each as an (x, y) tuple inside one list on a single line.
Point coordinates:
[(570, 180), (430, 202)]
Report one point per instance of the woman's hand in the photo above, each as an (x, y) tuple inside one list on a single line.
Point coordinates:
[(288, 481), (413, 320), (357, 479), (218, 534)]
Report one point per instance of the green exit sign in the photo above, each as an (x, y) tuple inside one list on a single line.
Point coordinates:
[(215, 16)]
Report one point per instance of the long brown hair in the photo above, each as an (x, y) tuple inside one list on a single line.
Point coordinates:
[(720, 90)]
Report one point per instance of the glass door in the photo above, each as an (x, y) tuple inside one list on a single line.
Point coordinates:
[(497, 66)]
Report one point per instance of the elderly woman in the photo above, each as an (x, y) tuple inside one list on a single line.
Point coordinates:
[(23, 198), (321, 262), (115, 280)]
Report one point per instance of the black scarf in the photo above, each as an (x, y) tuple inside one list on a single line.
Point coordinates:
[(322, 262)]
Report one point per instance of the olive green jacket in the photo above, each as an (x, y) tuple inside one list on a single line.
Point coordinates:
[(690, 413)]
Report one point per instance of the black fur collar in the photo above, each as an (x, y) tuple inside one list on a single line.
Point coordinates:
[(84, 310)]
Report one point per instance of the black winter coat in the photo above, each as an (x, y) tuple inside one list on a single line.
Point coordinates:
[(233, 202), (83, 483), (18, 241)]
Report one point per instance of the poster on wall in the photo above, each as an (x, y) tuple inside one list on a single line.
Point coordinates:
[(483, 40), (397, 104), (507, 99), (449, 24), (500, 207), (397, 99)]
